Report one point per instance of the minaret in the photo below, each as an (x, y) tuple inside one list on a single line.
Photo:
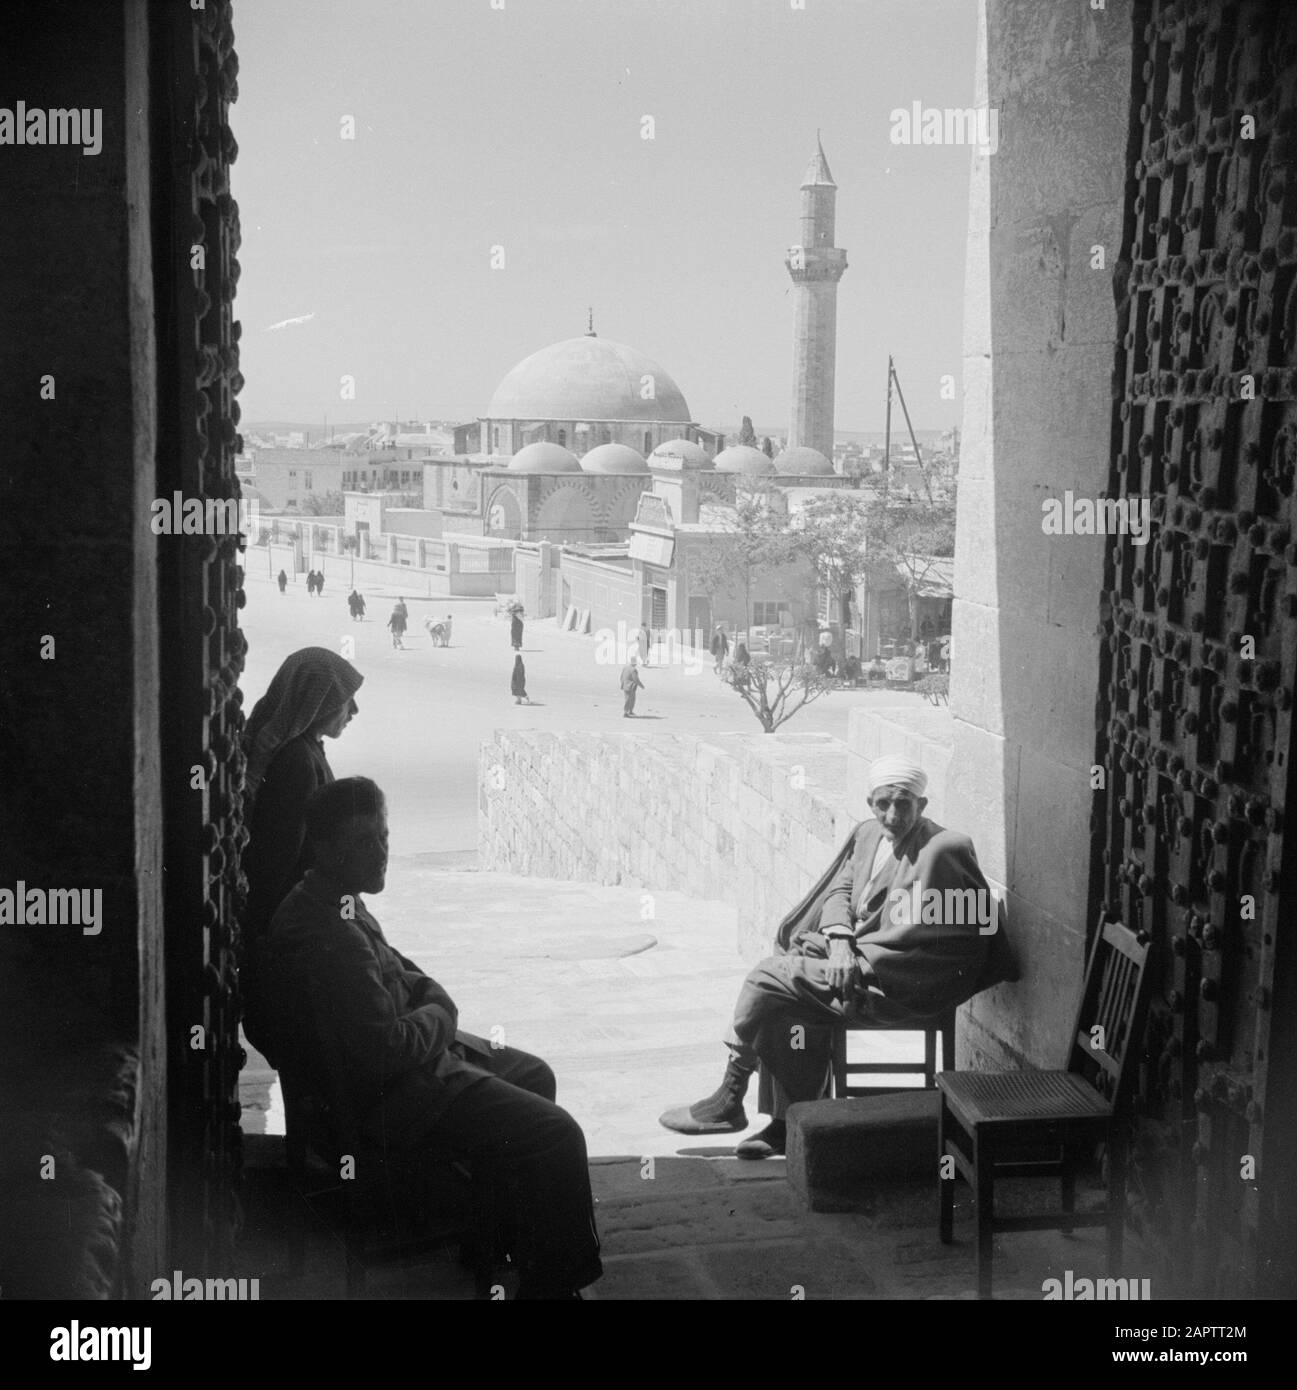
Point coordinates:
[(816, 266)]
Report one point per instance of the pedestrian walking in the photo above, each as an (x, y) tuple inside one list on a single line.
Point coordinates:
[(631, 686), (319, 583), (645, 638), (310, 582), (720, 647), (515, 629), (402, 609), (445, 630), (283, 581), (518, 683), (397, 625)]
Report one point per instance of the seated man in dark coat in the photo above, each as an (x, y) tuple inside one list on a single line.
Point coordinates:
[(381, 1040), (900, 929)]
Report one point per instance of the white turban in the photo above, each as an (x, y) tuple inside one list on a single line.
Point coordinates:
[(897, 771)]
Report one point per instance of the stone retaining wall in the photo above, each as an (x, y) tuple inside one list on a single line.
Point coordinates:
[(751, 819)]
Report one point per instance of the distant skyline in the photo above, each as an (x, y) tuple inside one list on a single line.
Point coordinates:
[(521, 128), (339, 428)]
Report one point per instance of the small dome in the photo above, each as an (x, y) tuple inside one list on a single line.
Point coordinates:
[(802, 461), (689, 454), (544, 457), (743, 458), (614, 458)]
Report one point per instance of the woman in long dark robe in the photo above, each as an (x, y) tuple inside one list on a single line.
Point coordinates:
[(518, 682), (515, 629), (310, 699)]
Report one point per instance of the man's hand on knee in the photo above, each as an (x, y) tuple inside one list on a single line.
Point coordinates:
[(841, 965)]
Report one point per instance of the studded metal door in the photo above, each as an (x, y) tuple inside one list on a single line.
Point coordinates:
[(1196, 683), (195, 241)]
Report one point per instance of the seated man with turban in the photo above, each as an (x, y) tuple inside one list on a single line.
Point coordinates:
[(891, 934)]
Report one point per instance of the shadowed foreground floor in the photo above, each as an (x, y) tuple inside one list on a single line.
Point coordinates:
[(627, 1000), (697, 1228)]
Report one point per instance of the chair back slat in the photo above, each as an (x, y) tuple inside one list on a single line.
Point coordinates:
[(1110, 963), (1113, 999), (1110, 1016)]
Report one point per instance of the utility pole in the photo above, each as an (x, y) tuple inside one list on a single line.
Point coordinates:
[(887, 436), (923, 472)]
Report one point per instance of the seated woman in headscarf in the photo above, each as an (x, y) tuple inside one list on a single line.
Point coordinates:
[(310, 699)]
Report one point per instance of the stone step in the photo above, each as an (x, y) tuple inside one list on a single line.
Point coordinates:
[(839, 1150)]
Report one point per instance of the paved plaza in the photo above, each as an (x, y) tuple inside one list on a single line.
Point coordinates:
[(425, 711)]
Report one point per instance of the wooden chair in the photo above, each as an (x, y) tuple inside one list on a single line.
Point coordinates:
[(436, 1204), (1044, 1123), (843, 1070)]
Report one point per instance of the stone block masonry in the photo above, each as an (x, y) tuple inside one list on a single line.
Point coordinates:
[(750, 819)]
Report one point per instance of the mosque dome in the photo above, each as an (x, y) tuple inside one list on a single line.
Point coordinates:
[(544, 457), (587, 378), (743, 458), (614, 458), (689, 454), (801, 461)]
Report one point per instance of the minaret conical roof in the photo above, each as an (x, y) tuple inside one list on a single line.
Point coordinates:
[(817, 171)]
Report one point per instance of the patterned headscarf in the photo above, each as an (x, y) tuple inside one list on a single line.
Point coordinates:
[(310, 685)]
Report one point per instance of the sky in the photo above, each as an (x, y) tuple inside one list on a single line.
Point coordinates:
[(522, 127)]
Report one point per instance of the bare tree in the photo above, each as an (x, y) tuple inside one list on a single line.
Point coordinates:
[(775, 690)]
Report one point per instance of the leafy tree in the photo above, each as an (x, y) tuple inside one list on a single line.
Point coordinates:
[(775, 690), (832, 532), (908, 538), (935, 687), (324, 504), (747, 435), (767, 448), (855, 537), (756, 536)]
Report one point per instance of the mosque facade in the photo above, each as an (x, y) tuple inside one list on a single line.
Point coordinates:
[(571, 436), (562, 451), (583, 393)]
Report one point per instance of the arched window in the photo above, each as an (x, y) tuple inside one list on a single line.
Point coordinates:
[(562, 438), (648, 442), (607, 436)]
